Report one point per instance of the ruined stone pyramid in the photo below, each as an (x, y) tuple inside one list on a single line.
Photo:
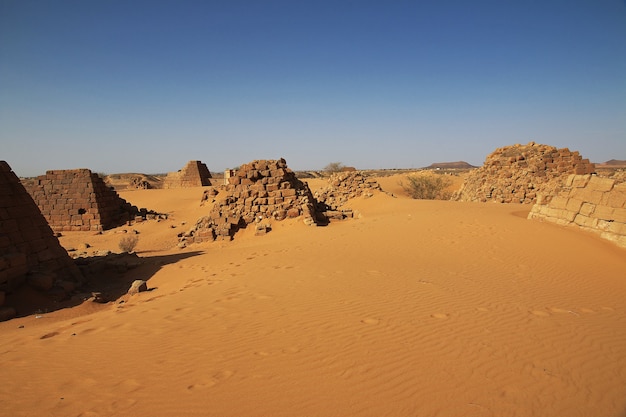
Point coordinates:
[(259, 190), (519, 173), (79, 200), (27, 244), (194, 174)]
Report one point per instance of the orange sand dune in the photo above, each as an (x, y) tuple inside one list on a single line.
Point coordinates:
[(417, 308)]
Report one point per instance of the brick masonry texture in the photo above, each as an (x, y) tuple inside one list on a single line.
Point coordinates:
[(260, 190), (590, 202), (344, 186), (519, 173), (79, 200), (194, 174), (27, 243)]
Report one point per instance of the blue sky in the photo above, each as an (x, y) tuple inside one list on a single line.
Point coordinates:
[(145, 86)]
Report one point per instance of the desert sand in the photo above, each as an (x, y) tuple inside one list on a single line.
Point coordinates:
[(415, 308)]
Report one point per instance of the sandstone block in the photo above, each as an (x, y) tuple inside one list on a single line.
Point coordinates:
[(137, 286), (585, 221), (617, 198), (293, 212), (617, 228), (574, 205), (579, 181), (588, 195), (587, 209), (559, 202), (600, 184), (603, 212), (619, 215)]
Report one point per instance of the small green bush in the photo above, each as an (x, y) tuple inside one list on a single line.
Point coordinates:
[(127, 243), (427, 187)]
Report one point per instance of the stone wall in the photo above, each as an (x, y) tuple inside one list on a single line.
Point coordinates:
[(77, 199), (518, 173), (259, 191), (342, 187), (29, 251), (194, 174), (590, 202)]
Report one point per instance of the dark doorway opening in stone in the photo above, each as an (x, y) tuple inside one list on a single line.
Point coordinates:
[(82, 211)]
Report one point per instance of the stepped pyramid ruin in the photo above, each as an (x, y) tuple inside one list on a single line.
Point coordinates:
[(518, 173), (262, 189), (29, 251), (194, 174), (79, 200)]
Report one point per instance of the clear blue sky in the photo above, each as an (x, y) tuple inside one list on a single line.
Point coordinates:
[(145, 86)]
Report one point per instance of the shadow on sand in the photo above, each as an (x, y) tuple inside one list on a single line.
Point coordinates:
[(106, 279)]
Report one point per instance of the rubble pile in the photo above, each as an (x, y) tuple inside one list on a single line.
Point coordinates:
[(518, 173), (260, 191)]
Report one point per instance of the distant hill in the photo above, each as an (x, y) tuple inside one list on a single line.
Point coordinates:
[(451, 165), (614, 163)]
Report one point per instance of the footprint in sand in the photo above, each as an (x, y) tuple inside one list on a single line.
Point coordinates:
[(223, 375), (210, 382), (201, 385), (370, 321), (129, 385), (539, 313), (49, 335), (558, 310), (259, 296), (440, 316), (123, 403)]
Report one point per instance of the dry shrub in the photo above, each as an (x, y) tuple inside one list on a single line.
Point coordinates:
[(334, 167), (128, 243), (427, 187)]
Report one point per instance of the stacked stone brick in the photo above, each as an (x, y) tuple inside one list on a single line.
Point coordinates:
[(589, 202), (344, 186), (518, 173), (260, 190), (77, 199), (194, 174), (28, 246)]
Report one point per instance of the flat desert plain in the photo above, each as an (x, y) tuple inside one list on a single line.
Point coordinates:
[(415, 308)]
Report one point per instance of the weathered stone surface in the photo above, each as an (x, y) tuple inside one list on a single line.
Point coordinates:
[(344, 186), (589, 202), (524, 174), (79, 200)]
